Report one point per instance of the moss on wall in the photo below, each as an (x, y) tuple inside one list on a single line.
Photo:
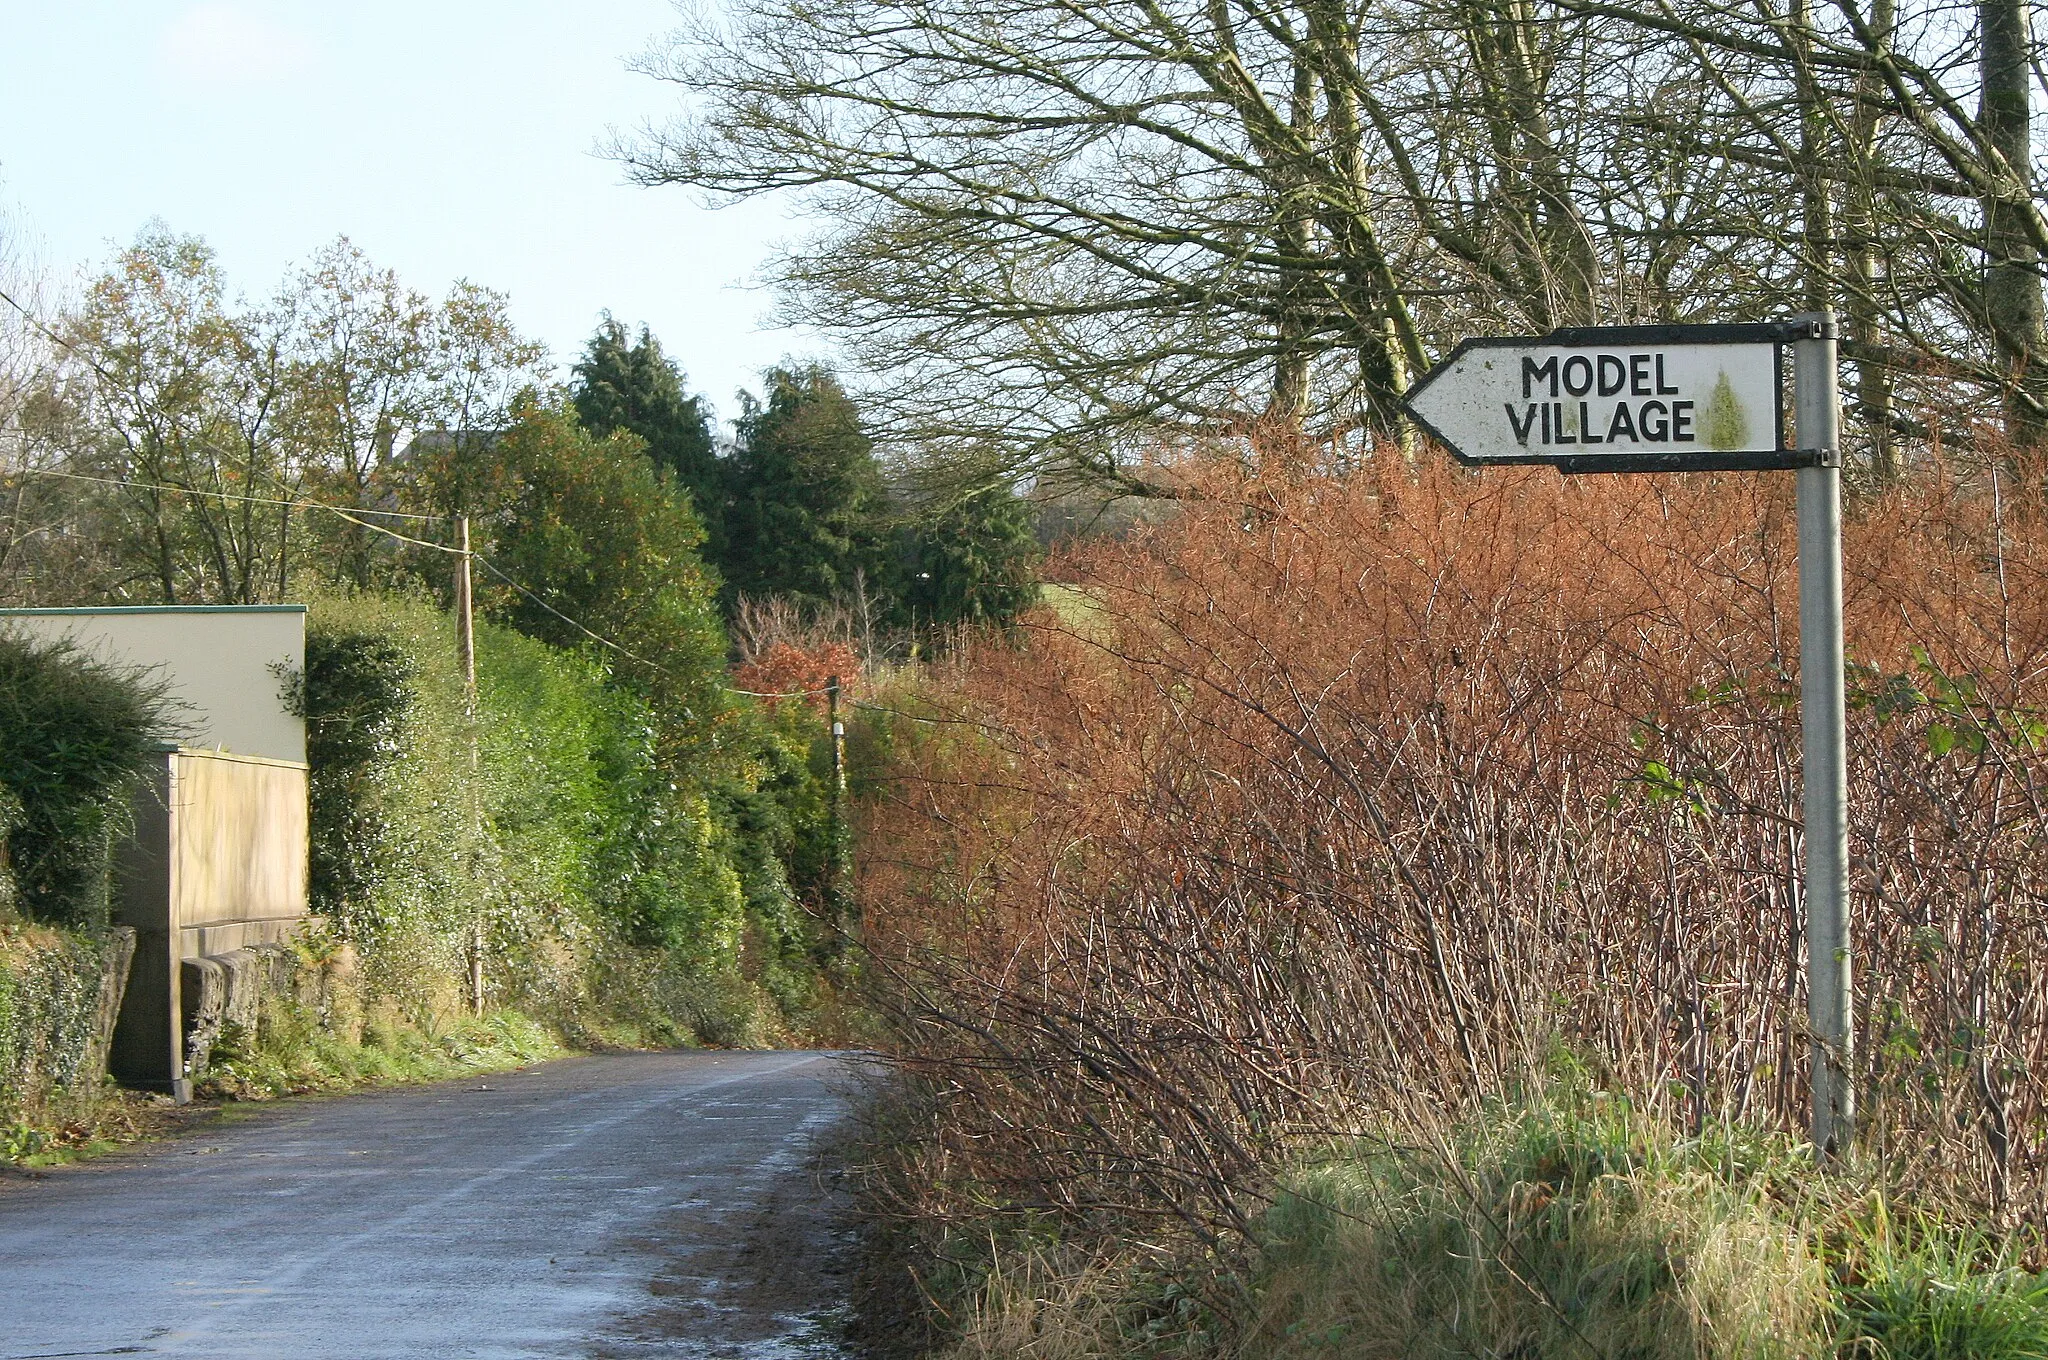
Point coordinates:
[(58, 990)]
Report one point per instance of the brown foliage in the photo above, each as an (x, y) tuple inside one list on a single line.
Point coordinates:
[(786, 671), (1354, 799)]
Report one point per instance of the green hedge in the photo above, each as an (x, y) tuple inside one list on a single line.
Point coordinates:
[(574, 836), (74, 733)]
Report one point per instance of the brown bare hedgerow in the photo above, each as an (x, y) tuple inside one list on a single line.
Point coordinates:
[(1335, 803), (786, 671)]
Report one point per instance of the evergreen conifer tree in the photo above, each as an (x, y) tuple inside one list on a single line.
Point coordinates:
[(630, 385), (973, 560), (602, 536), (807, 513)]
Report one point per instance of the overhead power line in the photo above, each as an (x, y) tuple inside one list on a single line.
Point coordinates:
[(297, 503), (492, 568), (350, 514)]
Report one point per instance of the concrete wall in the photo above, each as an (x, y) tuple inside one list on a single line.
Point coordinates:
[(218, 864), (222, 663)]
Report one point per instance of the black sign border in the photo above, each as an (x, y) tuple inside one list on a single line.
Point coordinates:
[(1775, 333)]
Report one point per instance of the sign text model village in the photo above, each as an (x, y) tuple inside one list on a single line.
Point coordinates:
[(1695, 399)]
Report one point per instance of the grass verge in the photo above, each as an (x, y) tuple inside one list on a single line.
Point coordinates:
[(1571, 1227), (291, 1054), (288, 1055), (1552, 1230), (73, 1126)]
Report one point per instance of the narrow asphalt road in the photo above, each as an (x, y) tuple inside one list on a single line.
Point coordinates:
[(644, 1204)]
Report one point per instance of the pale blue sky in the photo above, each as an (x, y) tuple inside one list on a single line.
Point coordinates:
[(447, 138)]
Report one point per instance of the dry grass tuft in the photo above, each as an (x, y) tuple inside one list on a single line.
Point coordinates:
[(1036, 1307), (1543, 1232)]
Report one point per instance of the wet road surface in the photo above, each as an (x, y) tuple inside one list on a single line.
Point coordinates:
[(643, 1204)]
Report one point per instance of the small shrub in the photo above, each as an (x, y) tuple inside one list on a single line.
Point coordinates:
[(786, 673)]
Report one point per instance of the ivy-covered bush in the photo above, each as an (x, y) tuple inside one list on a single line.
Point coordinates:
[(50, 983), (74, 734), (361, 687), (397, 852), (601, 873)]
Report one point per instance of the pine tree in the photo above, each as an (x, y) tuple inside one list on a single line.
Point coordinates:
[(973, 560), (634, 387), (806, 515)]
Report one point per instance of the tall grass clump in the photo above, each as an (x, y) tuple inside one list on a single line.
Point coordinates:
[(1350, 798), (1567, 1225), (1938, 1290)]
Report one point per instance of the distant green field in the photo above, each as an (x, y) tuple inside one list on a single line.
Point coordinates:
[(1078, 609)]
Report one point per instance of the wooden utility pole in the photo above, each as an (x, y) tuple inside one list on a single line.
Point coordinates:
[(837, 830), (838, 743), (465, 646), (465, 621)]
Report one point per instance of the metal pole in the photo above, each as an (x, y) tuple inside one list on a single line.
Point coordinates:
[(1817, 415)]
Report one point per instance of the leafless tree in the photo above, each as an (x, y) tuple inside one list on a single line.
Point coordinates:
[(186, 437), (1079, 229), (26, 508), (177, 405), (1906, 136)]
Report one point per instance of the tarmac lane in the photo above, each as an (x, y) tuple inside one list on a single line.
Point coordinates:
[(639, 1204)]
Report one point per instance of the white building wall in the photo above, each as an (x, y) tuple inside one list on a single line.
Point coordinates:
[(225, 664)]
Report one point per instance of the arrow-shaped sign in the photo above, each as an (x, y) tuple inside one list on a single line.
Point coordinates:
[(1615, 399), (1673, 399)]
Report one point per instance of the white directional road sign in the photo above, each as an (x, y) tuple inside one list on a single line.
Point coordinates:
[(1614, 399), (1675, 399)]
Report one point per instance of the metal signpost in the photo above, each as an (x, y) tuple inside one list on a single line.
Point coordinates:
[(1695, 399)]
